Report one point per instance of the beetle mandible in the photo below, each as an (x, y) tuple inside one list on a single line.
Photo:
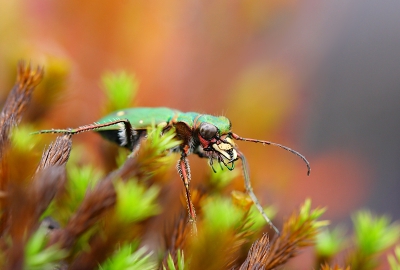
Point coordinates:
[(204, 135)]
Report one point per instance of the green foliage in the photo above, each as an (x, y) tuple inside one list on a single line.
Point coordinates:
[(120, 89), (135, 202), (38, 256), (330, 242), (80, 179), (129, 257), (22, 138), (373, 235), (160, 142), (220, 215), (77, 155), (180, 265), (154, 155), (243, 200), (307, 215), (222, 177), (120, 158), (257, 220), (224, 229)]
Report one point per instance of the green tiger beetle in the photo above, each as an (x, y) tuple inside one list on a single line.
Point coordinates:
[(204, 135)]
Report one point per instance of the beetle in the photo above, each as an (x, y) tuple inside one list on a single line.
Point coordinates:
[(205, 135)]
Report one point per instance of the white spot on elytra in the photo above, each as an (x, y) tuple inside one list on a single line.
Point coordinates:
[(162, 124), (120, 113), (141, 122)]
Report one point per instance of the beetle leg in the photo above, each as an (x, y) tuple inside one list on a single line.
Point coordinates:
[(220, 162), (90, 127), (249, 191), (184, 173), (211, 162), (127, 136)]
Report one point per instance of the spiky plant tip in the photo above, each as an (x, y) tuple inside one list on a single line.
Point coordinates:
[(80, 180), (135, 202), (329, 243), (177, 263), (28, 77), (373, 235), (120, 89), (129, 256), (40, 256), (221, 214), (57, 154), (154, 156), (225, 231), (308, 216), (17, 101), (244, 202), (21, 139), (219, 177), (241, 200), (299, 231), (162, 140)]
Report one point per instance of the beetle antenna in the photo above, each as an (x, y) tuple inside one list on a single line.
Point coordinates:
[(237, 137), (249, 190)]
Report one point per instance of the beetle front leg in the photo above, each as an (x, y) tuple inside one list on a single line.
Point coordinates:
[(250, 191), (184, 173)]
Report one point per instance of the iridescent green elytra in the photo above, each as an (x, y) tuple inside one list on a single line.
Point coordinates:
[(204, 135)]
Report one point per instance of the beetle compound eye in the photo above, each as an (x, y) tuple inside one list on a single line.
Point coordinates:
[(208, 131)]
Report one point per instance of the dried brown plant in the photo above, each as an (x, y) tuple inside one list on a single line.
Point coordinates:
[(176, 237), (299, 231), (57, 153), (24, 212), (11, 114), (17, 100), (258, 254)]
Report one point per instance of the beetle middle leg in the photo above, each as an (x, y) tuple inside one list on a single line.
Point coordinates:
[(184, 173)]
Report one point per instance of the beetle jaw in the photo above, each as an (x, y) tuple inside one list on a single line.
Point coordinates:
[(226, 150)]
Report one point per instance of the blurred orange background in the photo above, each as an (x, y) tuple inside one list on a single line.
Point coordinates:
[(319, 77)]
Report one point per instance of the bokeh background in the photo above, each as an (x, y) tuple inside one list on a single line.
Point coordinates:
[(322, 77)]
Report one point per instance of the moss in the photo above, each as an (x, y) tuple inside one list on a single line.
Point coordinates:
[(83, 216)]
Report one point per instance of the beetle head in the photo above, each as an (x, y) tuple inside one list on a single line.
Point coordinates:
[(216, 146)]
